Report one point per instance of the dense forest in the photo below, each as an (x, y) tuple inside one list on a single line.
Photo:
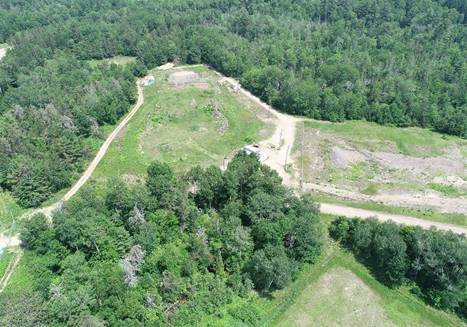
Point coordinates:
[(432, 262), (392, 62), (170, 252)]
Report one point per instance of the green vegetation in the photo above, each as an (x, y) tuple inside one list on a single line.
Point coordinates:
[(304, 303), (9, 211), (41, 149), (22, 280), (450, 218), (412, 141), (192, 246), (387, 62), (5, 258), (430, 262), (117, 60), (448, 190), (168, 253), (371, 189), (197, 124)]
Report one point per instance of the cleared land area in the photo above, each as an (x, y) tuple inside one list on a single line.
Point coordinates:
[(362, 161), (189, 118), (339, 291)]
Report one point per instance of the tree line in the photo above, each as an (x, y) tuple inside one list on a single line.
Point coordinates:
[(431, 262), (169, 252), (392, 62)]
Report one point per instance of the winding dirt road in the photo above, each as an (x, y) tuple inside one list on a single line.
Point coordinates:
[(14, 241), (278, 148)]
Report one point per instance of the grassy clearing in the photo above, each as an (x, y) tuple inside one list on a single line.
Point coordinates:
[(22, 279), (181, 126), (338, 291), (411, 141), (5, 258), (9, 211), (450, 218)]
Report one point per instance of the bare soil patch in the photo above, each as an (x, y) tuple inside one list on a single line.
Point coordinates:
[(183, 77), (343, 158)]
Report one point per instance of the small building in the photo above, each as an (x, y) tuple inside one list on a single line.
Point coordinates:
[(148, 80), (254, 149)]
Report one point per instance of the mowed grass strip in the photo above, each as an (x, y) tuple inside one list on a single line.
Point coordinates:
[(197, 124), (339, 291)]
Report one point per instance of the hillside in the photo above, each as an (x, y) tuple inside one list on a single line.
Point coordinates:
[(384, 61), (125, 199)]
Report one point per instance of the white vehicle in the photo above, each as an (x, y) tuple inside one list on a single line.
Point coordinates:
[(249, 149)]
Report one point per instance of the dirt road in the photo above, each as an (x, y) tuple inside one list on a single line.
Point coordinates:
[(278, 148), (14, 240), (339, 210), (100, 154)]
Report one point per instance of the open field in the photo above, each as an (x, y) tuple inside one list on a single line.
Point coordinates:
[(198, 122), (400, 167), (339, 291)]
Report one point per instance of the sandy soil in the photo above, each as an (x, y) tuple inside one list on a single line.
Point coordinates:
[(278, 147), (6, 241), (344, 158), (339, 210), (428, 200)]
